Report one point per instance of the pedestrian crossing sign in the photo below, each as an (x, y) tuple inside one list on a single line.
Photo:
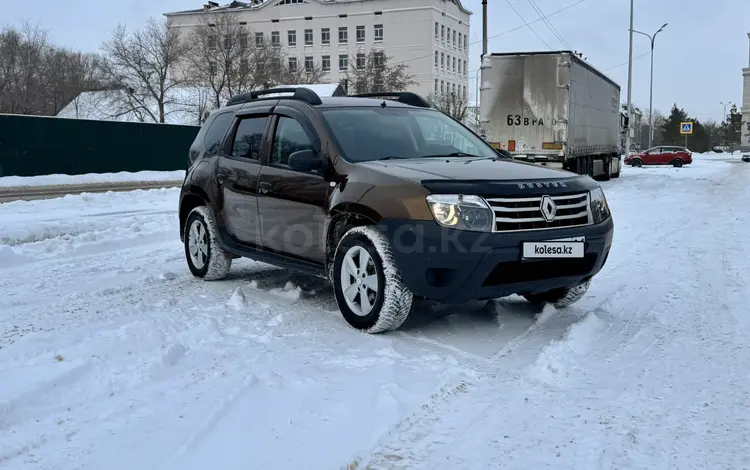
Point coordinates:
[(686, 128)]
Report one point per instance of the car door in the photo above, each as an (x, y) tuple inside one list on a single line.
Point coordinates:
[(293, 202), (667, 155), (237, 174)]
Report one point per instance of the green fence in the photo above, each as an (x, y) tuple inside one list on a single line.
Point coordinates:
[(32, 145)]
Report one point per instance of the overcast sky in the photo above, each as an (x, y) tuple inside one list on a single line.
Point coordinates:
[(698, 61)]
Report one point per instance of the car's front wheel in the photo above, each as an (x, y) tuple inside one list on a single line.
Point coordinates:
[(205, 257), (367, 282), (561, 298)]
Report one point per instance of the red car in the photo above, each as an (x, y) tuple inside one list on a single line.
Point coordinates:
[(662, 155)]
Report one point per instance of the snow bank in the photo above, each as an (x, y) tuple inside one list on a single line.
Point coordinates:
[(54, 180)]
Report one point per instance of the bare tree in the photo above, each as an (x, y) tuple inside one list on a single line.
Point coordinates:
[(139, 66), (453, 104), (37, 77), (229, 58), (373, 72)]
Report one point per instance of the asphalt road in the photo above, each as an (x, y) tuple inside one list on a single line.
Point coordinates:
[(28, 193)]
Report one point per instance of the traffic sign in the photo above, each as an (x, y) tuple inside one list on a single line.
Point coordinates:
[(686, 128)]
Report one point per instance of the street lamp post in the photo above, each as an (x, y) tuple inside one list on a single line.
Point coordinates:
[(630, 82), (724, 119), (651, 92)]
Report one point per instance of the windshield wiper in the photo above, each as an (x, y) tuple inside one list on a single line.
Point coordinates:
[(454, 154)]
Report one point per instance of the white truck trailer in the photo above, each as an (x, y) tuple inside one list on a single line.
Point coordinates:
[(552, 109)]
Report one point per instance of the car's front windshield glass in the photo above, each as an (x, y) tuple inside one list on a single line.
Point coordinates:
[(373, 133)]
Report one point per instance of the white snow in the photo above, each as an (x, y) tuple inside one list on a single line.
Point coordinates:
[(113, 356), (121, 177)]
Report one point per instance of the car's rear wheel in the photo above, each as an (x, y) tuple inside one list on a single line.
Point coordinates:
[(367, 282), (560, 298), (677, 163), (205, 258), (636, 163)]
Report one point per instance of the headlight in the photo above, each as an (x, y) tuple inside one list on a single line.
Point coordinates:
[(599, 207), (461, 212)]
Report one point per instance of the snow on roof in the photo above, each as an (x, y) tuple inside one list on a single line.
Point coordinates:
[(320, 89)]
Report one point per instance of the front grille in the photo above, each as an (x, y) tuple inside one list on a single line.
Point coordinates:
[(525, 213)]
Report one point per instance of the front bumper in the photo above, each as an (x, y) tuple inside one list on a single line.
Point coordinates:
[(453, 266)]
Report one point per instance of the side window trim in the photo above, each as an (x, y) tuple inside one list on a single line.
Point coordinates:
[(229, 144)]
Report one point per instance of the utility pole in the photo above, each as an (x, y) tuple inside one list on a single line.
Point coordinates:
[(651, 92), (484, 28), (630, 83)]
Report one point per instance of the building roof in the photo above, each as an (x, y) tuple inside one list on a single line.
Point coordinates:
[(258, 4), (320, 89)]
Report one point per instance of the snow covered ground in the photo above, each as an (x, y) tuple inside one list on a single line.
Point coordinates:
[(122, 177), (112, 356)]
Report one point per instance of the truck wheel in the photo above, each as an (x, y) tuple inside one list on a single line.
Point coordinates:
[(205, 258), (561, 298), (367, 282), (607, 169)]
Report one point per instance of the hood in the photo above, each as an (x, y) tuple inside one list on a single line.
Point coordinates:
[(465, 169), (486, 177)]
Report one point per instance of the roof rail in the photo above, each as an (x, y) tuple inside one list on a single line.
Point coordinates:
[(405, 97), (299, 93)]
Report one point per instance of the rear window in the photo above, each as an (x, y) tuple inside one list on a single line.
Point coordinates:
[(370, 133), (216, 131)]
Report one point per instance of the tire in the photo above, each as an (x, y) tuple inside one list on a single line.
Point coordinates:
[(205, 258), (561, 298), (389, 298), (636, 163), (607, 168), (677, 163)]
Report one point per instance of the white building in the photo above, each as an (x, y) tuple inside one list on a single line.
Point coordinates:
[(745, 110), (431, 36)]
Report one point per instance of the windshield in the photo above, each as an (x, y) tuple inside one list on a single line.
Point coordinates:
[(374, 133)]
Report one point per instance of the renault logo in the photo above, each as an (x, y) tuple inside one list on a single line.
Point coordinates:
[(548, 208)]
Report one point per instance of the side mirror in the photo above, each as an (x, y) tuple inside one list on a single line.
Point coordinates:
[(304, 160)]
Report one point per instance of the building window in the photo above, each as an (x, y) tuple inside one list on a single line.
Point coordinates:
[(378, 58), (244, 66), (343, 35), (442, 33), (276, 65), (212, 68), (292, 64), (258, 40), (325, 35), (326, 63), (361, 60), (466, 42), (292, 37), (449, 37), (454, 65), (437, 60), (436, 85), (308, 37), (343, 63), (227, 42), (436, 29), (442, 87), (309, 64), (243, 41), (378, 32), (212, 43), (459, 40), (454, 38), (442, 60), (275, 39), (360, 34)]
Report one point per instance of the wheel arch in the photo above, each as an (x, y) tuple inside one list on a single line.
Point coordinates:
[(344, 217), (194, 197)]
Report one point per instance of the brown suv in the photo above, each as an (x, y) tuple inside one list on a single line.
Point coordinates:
[(388, 198)]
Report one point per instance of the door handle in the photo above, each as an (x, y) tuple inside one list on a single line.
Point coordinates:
[(264, 187)]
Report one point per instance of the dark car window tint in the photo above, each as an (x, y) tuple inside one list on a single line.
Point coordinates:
[(217, 131), (249, 137), (290, 137)]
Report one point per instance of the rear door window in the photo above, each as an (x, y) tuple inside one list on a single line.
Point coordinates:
[(249, 137)]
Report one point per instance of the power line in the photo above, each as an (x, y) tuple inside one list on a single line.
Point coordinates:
[(626, 62), (507, 31), (527, 24), (549, 24)]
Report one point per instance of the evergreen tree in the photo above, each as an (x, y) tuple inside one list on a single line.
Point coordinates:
[(732, 127), (670, 128)]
